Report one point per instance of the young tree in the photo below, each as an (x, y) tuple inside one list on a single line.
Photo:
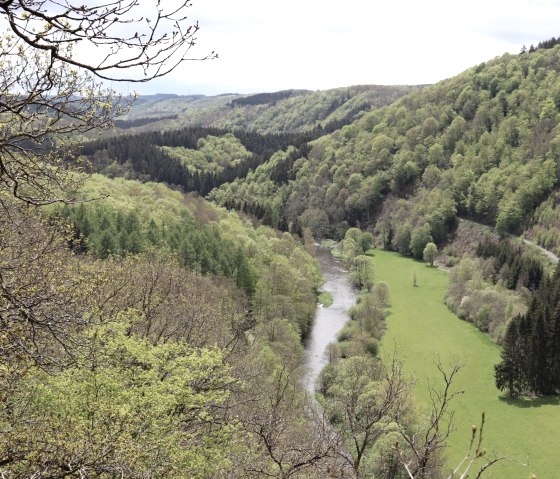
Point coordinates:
[(362, 272), (430, 252), (365, 241), (427, 443), (382, 293), (367, 398)]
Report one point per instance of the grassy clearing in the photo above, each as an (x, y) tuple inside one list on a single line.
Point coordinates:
[(423, 330)]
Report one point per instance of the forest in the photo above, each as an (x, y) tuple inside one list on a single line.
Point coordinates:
[(158, 278)]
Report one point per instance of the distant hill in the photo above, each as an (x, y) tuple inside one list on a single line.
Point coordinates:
[(287, 111)]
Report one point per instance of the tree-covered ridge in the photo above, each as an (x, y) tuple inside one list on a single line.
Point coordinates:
[(134, 218), (212, 154), (290, 110), (313, 109), (265, 98), (138, 156), (197, 159), (485, 142), (156, 368)]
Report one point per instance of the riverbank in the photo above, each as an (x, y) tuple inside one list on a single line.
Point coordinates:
[(424, 330), (330, 320)]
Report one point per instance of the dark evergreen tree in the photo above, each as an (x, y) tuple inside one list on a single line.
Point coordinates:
[(105, 245), (296, 228), (283, 225), (531, 346)]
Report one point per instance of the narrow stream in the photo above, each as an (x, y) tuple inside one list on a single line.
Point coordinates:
[(328, 321)]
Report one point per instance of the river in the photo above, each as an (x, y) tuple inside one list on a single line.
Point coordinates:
[(328, 321)]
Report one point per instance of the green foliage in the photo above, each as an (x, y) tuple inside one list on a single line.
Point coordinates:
[(430, 252), (124, 406), (132, 365), (474, 145), (473, 297), (545, 224), (425, 331), (291, 110), (212, 154), (366, 241), (325, 298), (136, 217), (362, 272), (365, 401), (530, 362), (107, 231), (514, 267), (419, 238)]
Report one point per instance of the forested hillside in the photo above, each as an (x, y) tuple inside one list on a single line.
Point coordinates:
[(482, 145), (143, 333), (289, 110), (157, 284), (158, 335)]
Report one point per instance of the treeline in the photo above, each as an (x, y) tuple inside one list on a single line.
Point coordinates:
[(265, 98), (142, 152), (126, 124), (531, 346), (545, 44), (512, 267)]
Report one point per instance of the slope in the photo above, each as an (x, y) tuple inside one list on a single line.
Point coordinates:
[(288, 110), (483, 145)]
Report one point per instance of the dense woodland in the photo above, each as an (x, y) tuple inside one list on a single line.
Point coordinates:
[(152, 317), (482, 146), (530, 356), (288, 111)]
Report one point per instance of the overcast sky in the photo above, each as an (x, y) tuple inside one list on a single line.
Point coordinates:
[(319, 44)]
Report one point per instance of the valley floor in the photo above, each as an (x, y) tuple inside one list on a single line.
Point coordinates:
[(423, 330)]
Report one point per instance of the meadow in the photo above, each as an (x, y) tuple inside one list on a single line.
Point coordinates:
[(424, 331)]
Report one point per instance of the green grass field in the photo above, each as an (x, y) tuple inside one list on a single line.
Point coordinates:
[(423, 330)]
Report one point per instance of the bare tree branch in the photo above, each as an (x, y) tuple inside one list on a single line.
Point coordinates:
[(53, 57)]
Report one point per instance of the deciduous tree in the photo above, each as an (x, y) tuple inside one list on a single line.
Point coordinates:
[(430, 252)]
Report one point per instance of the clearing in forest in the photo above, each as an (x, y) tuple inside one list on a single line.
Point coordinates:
[(424, 330)]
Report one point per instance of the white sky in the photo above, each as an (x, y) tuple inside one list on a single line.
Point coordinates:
[(320, 44)]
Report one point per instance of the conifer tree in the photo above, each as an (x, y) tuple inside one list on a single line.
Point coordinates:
[(508, 373), (531, 353)]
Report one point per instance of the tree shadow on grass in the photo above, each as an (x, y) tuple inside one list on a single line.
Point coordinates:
[(527, 402)]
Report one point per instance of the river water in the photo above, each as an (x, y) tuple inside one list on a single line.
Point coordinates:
[(328, 321)]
